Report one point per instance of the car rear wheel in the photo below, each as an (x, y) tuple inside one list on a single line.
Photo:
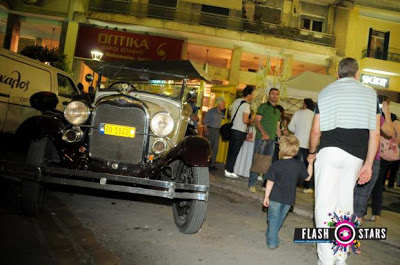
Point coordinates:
[(189, 215)]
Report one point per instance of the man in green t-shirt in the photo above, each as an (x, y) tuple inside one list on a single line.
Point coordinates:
[(267, 128)]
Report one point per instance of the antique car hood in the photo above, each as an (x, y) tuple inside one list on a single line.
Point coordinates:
[(149, 70)]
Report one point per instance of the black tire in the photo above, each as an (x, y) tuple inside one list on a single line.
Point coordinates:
[(189, 215), (32, 198), (33, 192)]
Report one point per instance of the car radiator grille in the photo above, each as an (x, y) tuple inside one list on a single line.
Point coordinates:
[(116, 148)]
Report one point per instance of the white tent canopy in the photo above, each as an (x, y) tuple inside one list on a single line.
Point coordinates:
[(307, 85)]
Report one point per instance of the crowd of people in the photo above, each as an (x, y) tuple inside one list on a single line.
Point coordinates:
[(343, 139)]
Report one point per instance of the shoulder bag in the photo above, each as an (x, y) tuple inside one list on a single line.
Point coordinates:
[(389, 149), (225, 129)]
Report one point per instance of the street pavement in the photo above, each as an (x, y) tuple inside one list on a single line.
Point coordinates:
[(33, 244), (304, 205)]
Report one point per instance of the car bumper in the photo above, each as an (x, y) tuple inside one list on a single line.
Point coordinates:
[(112, 182)]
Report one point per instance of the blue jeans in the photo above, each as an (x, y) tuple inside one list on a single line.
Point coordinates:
[(362, 192), (276, 215), (235, 143), (268, 150)]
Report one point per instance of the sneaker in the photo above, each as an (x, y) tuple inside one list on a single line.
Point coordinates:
[(308, 190), (375, 218), (252, 189), (272, 247), (230, 175)]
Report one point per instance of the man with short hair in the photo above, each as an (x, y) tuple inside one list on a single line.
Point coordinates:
[(212, 123), (346, 122), (267, 128), (239, 128)]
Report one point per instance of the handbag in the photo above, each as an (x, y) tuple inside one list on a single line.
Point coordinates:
[(389, 149), (261, 162), (225, 129)]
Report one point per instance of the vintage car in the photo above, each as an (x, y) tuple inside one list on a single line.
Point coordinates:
[(130, 138)]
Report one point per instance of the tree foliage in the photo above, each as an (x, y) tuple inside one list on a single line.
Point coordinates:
[(53, 56)]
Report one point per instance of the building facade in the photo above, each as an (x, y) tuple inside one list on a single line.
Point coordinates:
[(232, 39)]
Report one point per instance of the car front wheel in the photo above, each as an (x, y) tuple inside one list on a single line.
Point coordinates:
[(190, 214), (39, 153)]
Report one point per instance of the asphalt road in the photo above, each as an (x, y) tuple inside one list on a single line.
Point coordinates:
[(140, 230)]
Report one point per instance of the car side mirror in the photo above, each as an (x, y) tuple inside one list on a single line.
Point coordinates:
[(44, 101), (89, 78)]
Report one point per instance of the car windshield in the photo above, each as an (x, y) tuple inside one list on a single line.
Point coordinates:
[(168, 88)]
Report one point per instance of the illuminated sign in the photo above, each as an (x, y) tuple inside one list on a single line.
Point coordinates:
[(374, 80), (121, 45)]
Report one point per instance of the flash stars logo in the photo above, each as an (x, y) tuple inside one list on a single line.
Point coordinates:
[(344, 232)]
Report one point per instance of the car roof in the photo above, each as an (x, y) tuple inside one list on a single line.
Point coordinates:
[(149, 70)]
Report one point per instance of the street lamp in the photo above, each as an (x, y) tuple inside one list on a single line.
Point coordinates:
[(96, 56)]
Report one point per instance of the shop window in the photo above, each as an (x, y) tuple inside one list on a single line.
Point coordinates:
[(312, 23), (66, 87), (378, 44), (267, 14)]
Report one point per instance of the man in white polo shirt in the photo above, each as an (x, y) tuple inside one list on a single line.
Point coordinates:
[(346, 122)]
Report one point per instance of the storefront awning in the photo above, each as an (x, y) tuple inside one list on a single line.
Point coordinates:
[(149, 70)]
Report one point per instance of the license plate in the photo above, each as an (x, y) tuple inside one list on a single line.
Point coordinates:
[(117, 130)]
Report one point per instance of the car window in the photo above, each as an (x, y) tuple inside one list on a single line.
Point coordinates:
[(66, 87)]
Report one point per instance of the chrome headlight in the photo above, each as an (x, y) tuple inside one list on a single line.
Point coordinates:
[(162, 124), (76, 113)]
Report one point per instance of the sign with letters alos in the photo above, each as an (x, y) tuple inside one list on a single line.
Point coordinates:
[(120, 45), (374, 80)]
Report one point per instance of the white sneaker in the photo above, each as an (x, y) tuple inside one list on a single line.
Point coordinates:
[(230, 175), (308, 191)]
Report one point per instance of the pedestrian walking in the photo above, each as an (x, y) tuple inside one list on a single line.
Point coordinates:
[(300, 125), (280, 191), (385, 167), (212, 123), (239, 129), (267, 127), (346, 122), (363, 192)]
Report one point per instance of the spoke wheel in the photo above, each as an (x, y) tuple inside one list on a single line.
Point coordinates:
[(189, 215)]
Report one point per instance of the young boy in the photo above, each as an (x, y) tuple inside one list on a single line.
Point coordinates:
[(280, 192)]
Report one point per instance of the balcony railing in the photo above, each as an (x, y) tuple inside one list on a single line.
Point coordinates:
[(393, 55), (211, 20)]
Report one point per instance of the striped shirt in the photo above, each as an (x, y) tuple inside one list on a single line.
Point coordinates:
[(347, 104)]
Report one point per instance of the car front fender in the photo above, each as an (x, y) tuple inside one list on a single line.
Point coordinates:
[(38, 127), (194, 150)]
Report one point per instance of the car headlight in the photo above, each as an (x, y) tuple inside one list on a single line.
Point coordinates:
[(162, 124), (76, 113)]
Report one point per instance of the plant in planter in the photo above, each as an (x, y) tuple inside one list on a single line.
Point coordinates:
[(53, 56)]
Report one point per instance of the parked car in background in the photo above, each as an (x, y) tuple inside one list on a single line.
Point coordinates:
[(130, 139)]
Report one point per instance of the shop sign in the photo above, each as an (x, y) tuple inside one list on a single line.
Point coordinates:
[(374, 80), (120, 45)]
